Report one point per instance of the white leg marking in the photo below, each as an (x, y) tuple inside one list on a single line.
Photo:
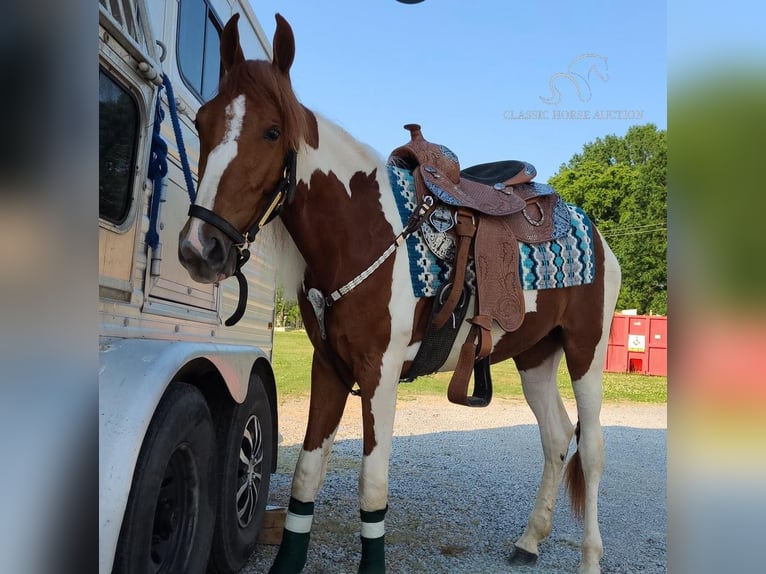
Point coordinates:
[(588, 391), (542, 394), (588, 395), (217, 161), (373, 477), (311, 469)]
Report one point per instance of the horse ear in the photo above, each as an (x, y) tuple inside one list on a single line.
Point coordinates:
[(284, 46), (231, 51), (312, 130)]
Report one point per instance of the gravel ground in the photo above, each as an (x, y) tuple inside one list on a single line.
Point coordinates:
[(462, 483)]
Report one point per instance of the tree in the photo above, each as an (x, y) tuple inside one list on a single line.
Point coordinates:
[(621, 183), (286, 312)]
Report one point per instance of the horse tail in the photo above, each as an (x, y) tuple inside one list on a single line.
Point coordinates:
[(574, 481)]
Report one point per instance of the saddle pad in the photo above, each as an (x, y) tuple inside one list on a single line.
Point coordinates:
[(563, 262), (427, 272)]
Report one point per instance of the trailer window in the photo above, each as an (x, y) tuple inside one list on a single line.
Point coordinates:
[(117, 136), (199, 40)]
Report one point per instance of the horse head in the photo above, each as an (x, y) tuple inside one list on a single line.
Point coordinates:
[(250, 133)]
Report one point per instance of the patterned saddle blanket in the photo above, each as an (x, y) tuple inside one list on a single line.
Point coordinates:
[(566, 260)]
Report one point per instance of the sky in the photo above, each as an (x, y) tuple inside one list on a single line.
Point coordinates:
[(491, 80), (706, 38)]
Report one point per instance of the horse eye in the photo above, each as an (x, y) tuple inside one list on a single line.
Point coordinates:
[(272, 134)]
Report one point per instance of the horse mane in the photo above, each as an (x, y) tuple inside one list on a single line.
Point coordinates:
[(290, 264), (258, 77)]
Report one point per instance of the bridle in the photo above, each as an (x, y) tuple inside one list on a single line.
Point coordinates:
[(283, 193)]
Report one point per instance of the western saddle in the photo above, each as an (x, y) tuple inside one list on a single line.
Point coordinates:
[(485, 210)]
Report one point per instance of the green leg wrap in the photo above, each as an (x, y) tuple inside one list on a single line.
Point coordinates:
[(293, 550), (373, 542)]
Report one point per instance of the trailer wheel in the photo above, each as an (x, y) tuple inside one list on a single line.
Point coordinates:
[(245, 459), (168, 522)]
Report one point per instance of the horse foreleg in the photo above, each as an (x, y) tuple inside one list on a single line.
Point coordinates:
[(378, 411), (328, 399), (538, 379)]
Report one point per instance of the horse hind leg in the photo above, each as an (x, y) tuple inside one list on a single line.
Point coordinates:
[(586, 466), (538, 379), (328, 400), (585, 350)]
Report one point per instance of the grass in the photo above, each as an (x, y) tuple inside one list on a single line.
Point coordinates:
[(292, 367), (292, 363)]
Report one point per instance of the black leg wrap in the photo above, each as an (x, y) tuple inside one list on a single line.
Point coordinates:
[(293, 550), (373, 556), (520, 557), (302, 508), (292, 554), (374, 515), (373, 549)]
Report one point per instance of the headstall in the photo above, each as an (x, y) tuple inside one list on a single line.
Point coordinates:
[(283, 193)]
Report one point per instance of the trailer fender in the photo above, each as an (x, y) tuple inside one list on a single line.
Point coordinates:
[(133, 375)]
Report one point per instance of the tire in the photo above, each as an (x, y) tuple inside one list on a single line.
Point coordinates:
[(169, 519), (243, 488)]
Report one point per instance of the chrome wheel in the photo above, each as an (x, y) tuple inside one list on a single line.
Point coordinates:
[(249, 472), (245, 458)]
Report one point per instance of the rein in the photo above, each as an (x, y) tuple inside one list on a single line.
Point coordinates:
[(283, 193)]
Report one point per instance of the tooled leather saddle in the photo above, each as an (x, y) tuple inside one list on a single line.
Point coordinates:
[(482, 211)]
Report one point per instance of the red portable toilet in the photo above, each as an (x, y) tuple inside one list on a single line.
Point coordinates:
[(617, 351), (638, 333), (638, 344), (658, 346)]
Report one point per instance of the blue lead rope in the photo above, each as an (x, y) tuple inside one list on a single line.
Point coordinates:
[(158, 160), (179, 139), (158, 169)]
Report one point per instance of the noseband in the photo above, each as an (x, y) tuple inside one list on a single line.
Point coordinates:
[(283, 193)]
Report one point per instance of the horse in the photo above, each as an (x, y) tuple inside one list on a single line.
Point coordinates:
[(262, 155)]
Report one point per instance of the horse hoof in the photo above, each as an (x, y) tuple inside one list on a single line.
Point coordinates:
[(520, 557)]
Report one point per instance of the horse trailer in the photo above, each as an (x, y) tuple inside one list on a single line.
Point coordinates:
[(187, 407)]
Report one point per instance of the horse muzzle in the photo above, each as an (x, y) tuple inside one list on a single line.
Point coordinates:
[(206, 253)]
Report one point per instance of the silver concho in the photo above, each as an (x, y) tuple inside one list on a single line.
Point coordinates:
[(319, 304), (441, 244), (441, 218)]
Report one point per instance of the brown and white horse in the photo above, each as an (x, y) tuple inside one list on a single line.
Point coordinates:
[(342, 218)]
